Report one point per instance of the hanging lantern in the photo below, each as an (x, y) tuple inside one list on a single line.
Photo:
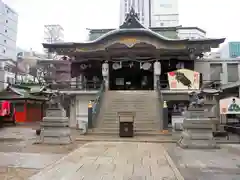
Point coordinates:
[(105, 69), (83, 66), (131, 65), (146, 66), (116, 66), (157, 68)]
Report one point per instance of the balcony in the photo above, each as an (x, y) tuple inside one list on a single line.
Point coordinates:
[(77, 86)]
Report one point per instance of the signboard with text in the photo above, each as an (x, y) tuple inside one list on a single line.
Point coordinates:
[(230, 105)]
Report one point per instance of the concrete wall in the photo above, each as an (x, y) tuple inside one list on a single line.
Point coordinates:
[(79, 108), (191, 33), (230, 69)]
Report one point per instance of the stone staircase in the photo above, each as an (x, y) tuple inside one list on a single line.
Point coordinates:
[(144, 103)]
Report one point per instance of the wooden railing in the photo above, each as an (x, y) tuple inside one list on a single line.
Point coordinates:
[(75, 85)]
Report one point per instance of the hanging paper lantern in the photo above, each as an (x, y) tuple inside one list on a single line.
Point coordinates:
[(157, 68), (83, 66), (116, 66), (146, 66)]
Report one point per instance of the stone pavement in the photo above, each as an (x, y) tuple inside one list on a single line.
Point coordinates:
[(17, 133), (220, 164), (27, 160), (113, 160), (20, 166), (9, 173)]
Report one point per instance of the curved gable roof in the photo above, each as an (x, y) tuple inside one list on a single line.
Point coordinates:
[(134, 31), (131, 27)]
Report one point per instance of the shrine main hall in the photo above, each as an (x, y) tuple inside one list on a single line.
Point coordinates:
[(133, 57)]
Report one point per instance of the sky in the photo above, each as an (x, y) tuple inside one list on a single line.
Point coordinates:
[(220, 18)]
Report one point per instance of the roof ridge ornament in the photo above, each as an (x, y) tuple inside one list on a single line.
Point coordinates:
[(131, 20)]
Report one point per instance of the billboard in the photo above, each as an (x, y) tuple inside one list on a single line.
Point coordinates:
[(183, 79), (230, 105)]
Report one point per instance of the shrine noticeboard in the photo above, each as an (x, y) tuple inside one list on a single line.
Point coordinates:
[(230, 105), (183, 79)]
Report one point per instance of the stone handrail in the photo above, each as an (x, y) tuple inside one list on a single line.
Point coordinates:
[(97, 103), (160, 98)]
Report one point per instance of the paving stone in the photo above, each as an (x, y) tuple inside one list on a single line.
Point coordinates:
[(206, 164), (17, 173), (120, 161), (27, 160), (139, 170)]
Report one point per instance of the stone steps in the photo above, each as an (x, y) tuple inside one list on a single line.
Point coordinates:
[(143, 103), (114, 129), (140, 126), (116, 133)]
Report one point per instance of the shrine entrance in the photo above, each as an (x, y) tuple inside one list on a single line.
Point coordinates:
[(131, 76)]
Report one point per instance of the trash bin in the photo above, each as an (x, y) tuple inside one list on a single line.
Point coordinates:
[(126, 121)]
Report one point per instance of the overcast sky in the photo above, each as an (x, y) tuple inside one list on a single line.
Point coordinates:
[(220, 18)]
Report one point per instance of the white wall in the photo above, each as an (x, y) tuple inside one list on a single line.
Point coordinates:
[(164, 13), (193, 33), (224, 51), (79, 109), (8, 32)]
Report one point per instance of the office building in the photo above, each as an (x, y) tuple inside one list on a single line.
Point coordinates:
[(8, 32), (141, 7), (152, 13), (164, 13), (8, 38), (230, 50)]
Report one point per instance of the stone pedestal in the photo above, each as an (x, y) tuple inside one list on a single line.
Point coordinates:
[(55, 127), (197, 130)]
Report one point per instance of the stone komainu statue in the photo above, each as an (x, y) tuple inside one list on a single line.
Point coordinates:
[(56, 100), (196, 99)]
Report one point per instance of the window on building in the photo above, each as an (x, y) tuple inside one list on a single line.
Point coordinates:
[(161, 24), (129, 5), (133, 3), (4, 51), (6, 21), (6, 31), (5, 41)]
